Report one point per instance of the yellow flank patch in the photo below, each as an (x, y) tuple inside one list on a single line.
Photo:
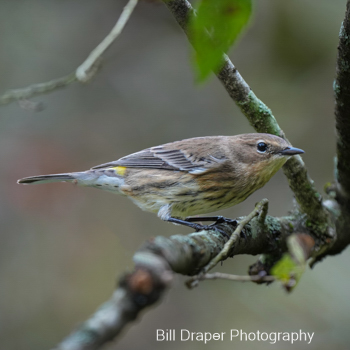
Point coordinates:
[(120, 170)]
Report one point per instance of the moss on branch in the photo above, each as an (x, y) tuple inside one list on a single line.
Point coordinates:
[(341, 88)]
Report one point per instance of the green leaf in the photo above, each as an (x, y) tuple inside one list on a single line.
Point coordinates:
[(288, 271), (213, 30)]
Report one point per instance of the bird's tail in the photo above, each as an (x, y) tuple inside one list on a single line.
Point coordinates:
[(42, 179)]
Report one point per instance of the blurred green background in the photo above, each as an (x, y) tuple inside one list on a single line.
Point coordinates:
[(62, 247)]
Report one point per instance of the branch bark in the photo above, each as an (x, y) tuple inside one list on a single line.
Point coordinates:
[(136, 291), (238, 278), (342, 113)]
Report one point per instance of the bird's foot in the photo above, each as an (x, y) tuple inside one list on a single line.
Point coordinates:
[(218, 220)]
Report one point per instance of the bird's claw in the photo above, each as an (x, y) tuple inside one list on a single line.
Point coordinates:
[(211, 227), (223, 220)]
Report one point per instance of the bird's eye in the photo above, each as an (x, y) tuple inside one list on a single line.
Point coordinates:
[(262, 147)]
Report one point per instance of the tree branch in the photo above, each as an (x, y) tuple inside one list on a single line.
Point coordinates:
[(37, 89), (155, 264), (342, 107), (157, 261), (238, 278), (136, 291), (259, 208), (342, 113), (235, 236), (262, 119), (88, 68), (82, 74)]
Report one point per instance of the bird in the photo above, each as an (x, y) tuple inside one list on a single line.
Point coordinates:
[(180, 179)]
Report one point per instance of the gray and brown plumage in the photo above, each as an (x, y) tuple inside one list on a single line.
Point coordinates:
[(188, 177)]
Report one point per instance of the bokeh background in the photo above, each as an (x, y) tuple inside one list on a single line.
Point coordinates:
[(62, 247)]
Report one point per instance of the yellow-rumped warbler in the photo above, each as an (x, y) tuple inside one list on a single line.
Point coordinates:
[(188, 177)]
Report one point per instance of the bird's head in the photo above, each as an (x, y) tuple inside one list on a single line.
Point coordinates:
[(263, 154)]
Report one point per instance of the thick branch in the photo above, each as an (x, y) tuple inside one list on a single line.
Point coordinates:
[(342, 114), (136, 291), (342, 107), (156, 262), (262, 119)]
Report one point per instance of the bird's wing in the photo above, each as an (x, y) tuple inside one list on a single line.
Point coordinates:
[(170, 157)]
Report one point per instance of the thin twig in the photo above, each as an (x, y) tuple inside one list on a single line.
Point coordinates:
[(36, 89), (224, 253), (235, 235), (239, 278), (82, 74), (263, 213), (89, 67)]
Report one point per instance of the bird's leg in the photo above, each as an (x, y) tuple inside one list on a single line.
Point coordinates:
[(188, 223), (197, 227), (218, 219)]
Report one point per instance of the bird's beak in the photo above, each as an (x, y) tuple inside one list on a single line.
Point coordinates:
[(291, 151)]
